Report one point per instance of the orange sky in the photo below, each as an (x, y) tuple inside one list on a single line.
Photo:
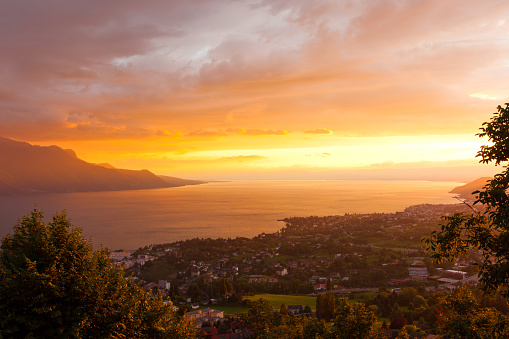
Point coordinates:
[(257, 89)]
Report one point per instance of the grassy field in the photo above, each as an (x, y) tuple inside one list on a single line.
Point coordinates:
[(231, 309), (276, 300)]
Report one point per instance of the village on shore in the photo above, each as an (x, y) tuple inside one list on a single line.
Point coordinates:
[(348, 254)]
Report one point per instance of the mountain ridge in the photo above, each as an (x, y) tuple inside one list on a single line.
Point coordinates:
[(30, 169), (465, 191)]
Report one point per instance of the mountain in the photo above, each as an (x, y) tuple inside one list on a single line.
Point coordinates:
[(27, 168), (172, 181), (465, 191)]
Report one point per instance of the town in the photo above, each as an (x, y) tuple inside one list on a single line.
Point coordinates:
[(355, 255)]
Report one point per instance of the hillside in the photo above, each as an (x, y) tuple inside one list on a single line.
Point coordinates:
[(465, 191), (172, 181), (30, 169)]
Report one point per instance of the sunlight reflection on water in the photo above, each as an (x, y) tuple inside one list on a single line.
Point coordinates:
[(130, 219)]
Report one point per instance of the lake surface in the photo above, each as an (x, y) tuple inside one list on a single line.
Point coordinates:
[(130, 219)]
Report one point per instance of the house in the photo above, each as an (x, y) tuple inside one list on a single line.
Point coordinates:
[(205, 315), (454, 274), (208, 332), (191, 316), (120, 255), (150, 286), (295, 309), (417, 272), (195, 272), (282, 271), (164, 285), (293, 264), (320, 287), (209, 312), (254, 279), (407, 251)]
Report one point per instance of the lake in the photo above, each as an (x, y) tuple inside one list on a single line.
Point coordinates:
[(130, 219)]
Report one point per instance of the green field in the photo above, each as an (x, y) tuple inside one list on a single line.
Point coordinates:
[(276, 300), (231, 309)]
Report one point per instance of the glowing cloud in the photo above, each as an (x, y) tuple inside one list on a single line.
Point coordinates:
[(242, 158), (156, 84), (318, 131)]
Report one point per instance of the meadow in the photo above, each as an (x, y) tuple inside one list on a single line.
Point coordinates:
[(276, 300)]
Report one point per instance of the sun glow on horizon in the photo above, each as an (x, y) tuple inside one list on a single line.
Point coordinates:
[(231, 86), (226, 155)]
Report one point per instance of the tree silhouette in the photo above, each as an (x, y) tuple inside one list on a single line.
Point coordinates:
[(486, 229), (53, 284)]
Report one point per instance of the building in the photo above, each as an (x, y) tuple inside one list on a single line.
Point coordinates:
[(418, 272)]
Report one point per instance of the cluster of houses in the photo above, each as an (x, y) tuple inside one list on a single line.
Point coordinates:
[(205, 315), (237, 331), (224, 267)]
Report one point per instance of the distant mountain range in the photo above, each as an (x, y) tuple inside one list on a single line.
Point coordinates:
[(465, 191), (26, 168)]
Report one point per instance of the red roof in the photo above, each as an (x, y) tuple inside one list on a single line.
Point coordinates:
[(208, 331)]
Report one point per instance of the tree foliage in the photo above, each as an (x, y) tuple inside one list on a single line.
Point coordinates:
[(486, 229), (53, 284), (267, 323), (352, 321), (325, 306), (461, 317)]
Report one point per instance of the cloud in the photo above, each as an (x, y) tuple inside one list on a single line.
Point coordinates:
[(484, 96), (202, 133), (165, 133), (243, 158), (92, 70), (261, 131), (318, 131), (238, 131), (387, 164), (322, 155)]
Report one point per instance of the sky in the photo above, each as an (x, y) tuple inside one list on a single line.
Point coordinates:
[(255, 89)]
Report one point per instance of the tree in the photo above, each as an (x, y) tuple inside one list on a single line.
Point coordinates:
[(398, 323), (396, 312), (486, 229), (325, 306), (403, 334), (260, 317), (314, 329), (53, 284), (269, 324), (352, 321), (407, 295), (461, 317)]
